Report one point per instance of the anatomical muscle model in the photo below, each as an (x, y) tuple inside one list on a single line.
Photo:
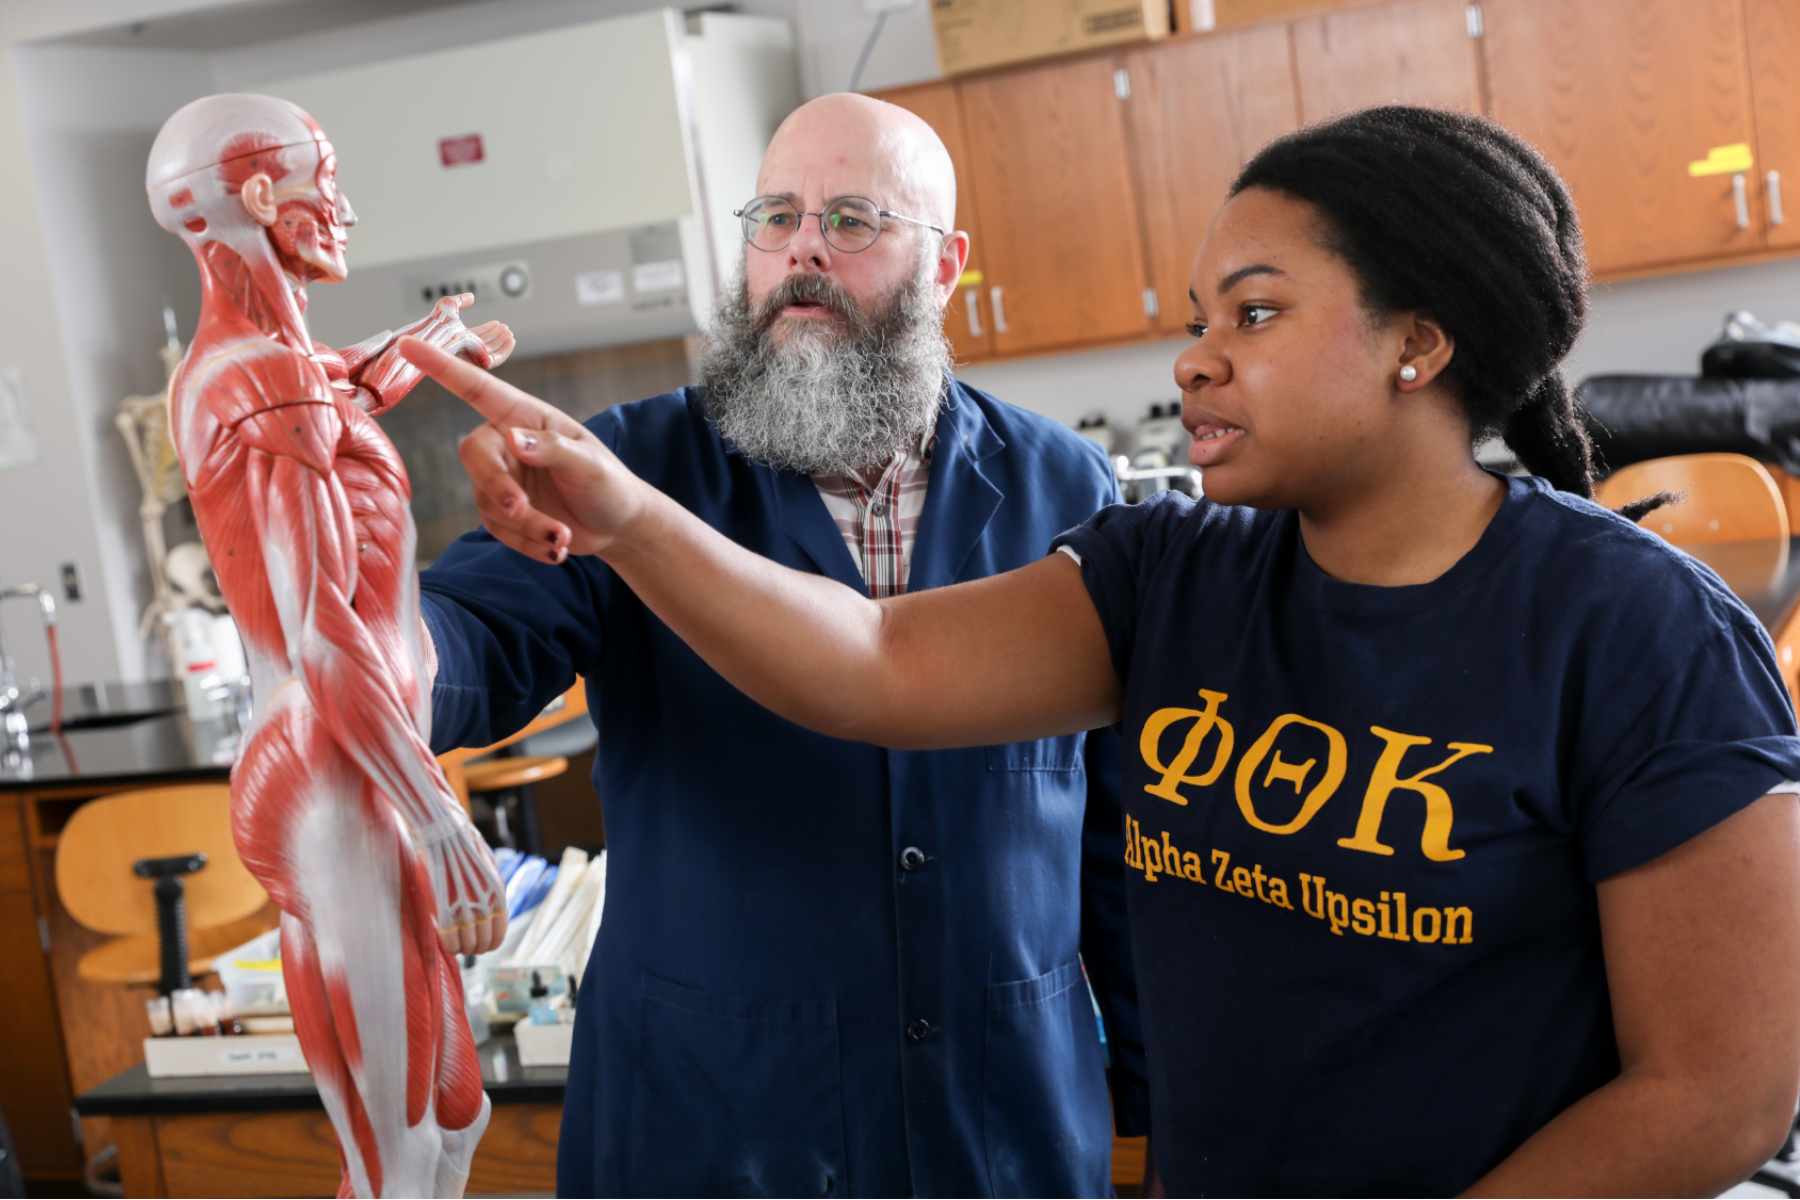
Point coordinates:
[(338, 807)]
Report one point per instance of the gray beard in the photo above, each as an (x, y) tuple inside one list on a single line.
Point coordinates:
[(838, 396)]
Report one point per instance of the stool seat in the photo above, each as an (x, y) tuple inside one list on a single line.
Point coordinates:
[(136, 959), (494, 774)]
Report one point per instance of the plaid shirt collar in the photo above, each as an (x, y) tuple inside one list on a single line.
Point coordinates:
[(879, 521)]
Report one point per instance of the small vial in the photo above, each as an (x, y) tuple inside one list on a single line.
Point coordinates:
[(229, 1025), (162, 1022), (185, 1023)]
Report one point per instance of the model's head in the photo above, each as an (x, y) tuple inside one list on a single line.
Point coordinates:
[(227, 168), (1392, 270), (829, 352)]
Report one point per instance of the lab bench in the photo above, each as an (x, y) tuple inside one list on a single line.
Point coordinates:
[(268, 1135), (66, 1036)]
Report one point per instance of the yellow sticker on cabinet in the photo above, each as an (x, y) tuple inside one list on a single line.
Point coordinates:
[(1722, 160), (970, 279)]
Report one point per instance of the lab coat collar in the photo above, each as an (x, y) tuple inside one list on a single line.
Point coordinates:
[(961, 499)]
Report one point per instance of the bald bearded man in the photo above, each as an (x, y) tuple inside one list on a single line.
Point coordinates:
[(825, 968)]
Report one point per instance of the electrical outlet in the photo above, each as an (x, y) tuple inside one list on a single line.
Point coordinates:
[(71, 581)]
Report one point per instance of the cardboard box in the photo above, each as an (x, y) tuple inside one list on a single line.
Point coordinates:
[(1198, 16), (543, 1045), (972, 34)]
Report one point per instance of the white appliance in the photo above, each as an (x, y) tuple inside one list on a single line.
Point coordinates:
[(580, 182)]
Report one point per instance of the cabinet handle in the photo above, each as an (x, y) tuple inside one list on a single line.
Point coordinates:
[(999, 310), (1740, 195), (1774, 180), (972, 301)]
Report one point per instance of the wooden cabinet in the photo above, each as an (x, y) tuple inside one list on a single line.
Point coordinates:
[(1199, 108), (1055, 205), (1087, 183), (967, 320), (1623, 98), (35, 1096), (1773, 27), (1409, 52)]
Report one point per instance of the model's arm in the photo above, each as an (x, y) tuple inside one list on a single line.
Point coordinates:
[(1015, 657), (381, 378), (1703, 961)]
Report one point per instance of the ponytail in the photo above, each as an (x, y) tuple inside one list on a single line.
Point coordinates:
[(1547, 434)]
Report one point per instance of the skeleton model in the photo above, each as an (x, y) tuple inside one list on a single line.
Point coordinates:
[(338, 807)]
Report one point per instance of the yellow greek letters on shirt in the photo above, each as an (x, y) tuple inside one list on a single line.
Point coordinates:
[(1385, 780), (1336, 761), (1175, 774)]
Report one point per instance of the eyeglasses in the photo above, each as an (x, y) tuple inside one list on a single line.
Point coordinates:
[(849, 223)]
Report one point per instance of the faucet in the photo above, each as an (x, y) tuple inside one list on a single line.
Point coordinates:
[(14, 738)]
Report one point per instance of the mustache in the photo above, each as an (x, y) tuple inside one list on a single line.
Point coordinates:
[(808, 287)]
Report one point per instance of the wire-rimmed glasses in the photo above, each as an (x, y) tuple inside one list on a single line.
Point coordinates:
[(849, 223)]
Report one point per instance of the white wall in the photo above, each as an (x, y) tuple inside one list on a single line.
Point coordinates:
[(76, 124), (63, 508), (86, 335)]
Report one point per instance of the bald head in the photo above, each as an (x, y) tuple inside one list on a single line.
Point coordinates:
[(849, 145), (841, 139)]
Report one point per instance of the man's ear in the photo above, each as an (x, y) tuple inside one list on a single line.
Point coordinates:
[(258, 195), (953, 257)]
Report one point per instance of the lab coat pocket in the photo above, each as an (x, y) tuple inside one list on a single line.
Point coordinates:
[(1048, 754), (1046, 1120), (736, 1096)]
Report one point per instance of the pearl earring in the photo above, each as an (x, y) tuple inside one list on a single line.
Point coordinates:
[(1408, 373)]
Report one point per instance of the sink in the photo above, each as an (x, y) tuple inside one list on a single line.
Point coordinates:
[(106, 705)]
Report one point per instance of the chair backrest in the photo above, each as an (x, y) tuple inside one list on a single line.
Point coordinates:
[(1729, 497), (96, 850)]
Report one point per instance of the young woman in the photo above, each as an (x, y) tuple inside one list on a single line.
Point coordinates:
[(1455, 812)]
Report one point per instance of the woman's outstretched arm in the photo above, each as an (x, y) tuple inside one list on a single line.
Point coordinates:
[(1017, 656)]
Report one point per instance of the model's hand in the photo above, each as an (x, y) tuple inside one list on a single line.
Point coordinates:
[(471, 899), (444, 328), (544, 485), (498, 339)]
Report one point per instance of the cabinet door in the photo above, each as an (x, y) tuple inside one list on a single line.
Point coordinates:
[(34, 1082), (1623, 97), (1056, 206), (966, 320), (1412, 52), (1199, 108), (1774, 29)]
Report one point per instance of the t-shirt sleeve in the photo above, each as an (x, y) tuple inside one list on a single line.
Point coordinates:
[(1714, 738), (1111, 547)]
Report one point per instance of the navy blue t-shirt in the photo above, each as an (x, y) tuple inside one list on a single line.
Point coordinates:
[(1364, 824)]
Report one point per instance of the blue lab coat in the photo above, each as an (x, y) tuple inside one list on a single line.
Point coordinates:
[(781, 999)]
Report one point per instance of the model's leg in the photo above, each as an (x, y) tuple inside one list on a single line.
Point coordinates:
[(340, 862), (463, 1107)]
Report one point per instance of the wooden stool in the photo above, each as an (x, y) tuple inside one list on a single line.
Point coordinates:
[(502, 774), (94, 877)]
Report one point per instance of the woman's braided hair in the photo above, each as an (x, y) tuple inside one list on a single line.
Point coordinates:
[(1450, 214)]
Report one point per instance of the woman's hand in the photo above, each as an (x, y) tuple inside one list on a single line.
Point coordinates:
[(544, 485)]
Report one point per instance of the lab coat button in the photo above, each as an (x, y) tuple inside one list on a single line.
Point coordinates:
[(912, 858), (917, 1031)]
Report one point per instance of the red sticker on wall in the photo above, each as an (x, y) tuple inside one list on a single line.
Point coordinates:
[(456, 151)]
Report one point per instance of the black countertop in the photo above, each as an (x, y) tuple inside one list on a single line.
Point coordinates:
[(135, 1094), (168, 747)]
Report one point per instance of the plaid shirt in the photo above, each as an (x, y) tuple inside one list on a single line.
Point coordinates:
[(879, 524)]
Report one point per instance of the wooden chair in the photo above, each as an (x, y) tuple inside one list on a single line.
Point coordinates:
[(95, 855), (1729, 498), (504, 773)]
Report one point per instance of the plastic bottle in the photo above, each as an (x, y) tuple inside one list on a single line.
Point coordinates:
[(541, 1012)]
